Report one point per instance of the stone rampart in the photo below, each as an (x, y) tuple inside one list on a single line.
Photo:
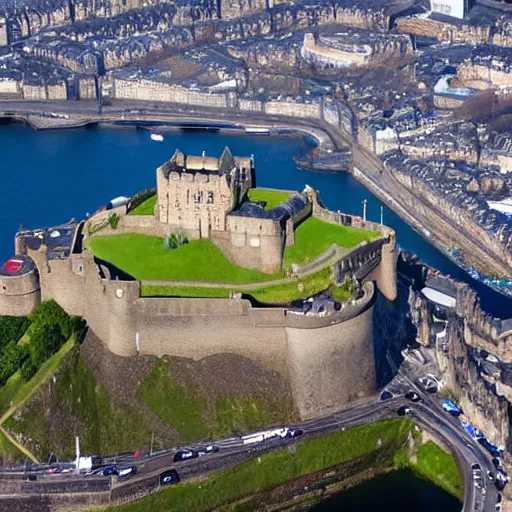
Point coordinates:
[(19, 295), (199, 328), (334, 366), (385, 271)]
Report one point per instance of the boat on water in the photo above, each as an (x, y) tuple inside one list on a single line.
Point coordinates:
[(157, 137)]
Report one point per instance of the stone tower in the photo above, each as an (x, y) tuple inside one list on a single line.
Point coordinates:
[(195, 193)]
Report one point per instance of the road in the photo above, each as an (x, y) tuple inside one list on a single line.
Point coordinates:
[(427, 414)]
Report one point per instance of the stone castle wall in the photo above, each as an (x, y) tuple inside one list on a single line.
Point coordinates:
[(20, 294), (332, 366), (276, 339)]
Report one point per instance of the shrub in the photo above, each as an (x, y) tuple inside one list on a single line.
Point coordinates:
[(45, 341), (12, 328), (114, 220), (28, 369), (50, 313), (176, 240), (10, 361)]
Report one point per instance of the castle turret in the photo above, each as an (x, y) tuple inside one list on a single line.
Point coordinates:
[(20, 291)]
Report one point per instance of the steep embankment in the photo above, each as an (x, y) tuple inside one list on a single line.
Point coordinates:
[(115, 404)]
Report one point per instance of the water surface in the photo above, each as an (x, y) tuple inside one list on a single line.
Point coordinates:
[(51, 176)]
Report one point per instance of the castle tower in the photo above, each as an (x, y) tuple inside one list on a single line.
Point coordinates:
[(195, 193)]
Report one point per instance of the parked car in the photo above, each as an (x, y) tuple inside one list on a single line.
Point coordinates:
[(386, 395), (185, 455), (490, 474), (168, 477), (31, 477), (109, 471), (475, 465), (497, 462), (126, 472)]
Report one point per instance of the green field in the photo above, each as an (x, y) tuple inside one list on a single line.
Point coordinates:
[(146, 258), (147, 207), (282, 293), (273, 198), (314, 236), (270, 470)]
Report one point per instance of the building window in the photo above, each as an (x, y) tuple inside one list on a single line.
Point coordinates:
[(198, 197), (188, 196), (209, 198)]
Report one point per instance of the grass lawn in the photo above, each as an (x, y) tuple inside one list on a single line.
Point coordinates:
[(314, 236), (273, 198), (146, 258), (147, 207), (270, 470), (282, 293), (440, 468)]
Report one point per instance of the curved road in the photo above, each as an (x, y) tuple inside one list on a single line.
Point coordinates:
[(427, 414)]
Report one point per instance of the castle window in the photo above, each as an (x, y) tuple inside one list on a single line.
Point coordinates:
[(244, 174), (198, 197), (188, 196), (209, 198)]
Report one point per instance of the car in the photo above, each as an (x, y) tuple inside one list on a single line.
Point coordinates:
[(497, 463), (109, 471), (498, 507), (168, 477), (499, 498), (31, 477), (412, 396), (294, 432), (475, 465), (403, 411), (126, 472), (185, 455), (490, 474), (208, 449), (386, 395)]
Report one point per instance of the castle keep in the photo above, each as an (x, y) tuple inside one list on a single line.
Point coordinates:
[(326, 354), (195, 193)]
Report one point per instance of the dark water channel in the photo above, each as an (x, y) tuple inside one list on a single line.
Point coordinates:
[(399, 491)]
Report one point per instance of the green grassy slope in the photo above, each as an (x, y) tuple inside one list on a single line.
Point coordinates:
[(314, 236)]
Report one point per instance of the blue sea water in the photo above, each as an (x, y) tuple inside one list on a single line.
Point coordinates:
[(48, 177)]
